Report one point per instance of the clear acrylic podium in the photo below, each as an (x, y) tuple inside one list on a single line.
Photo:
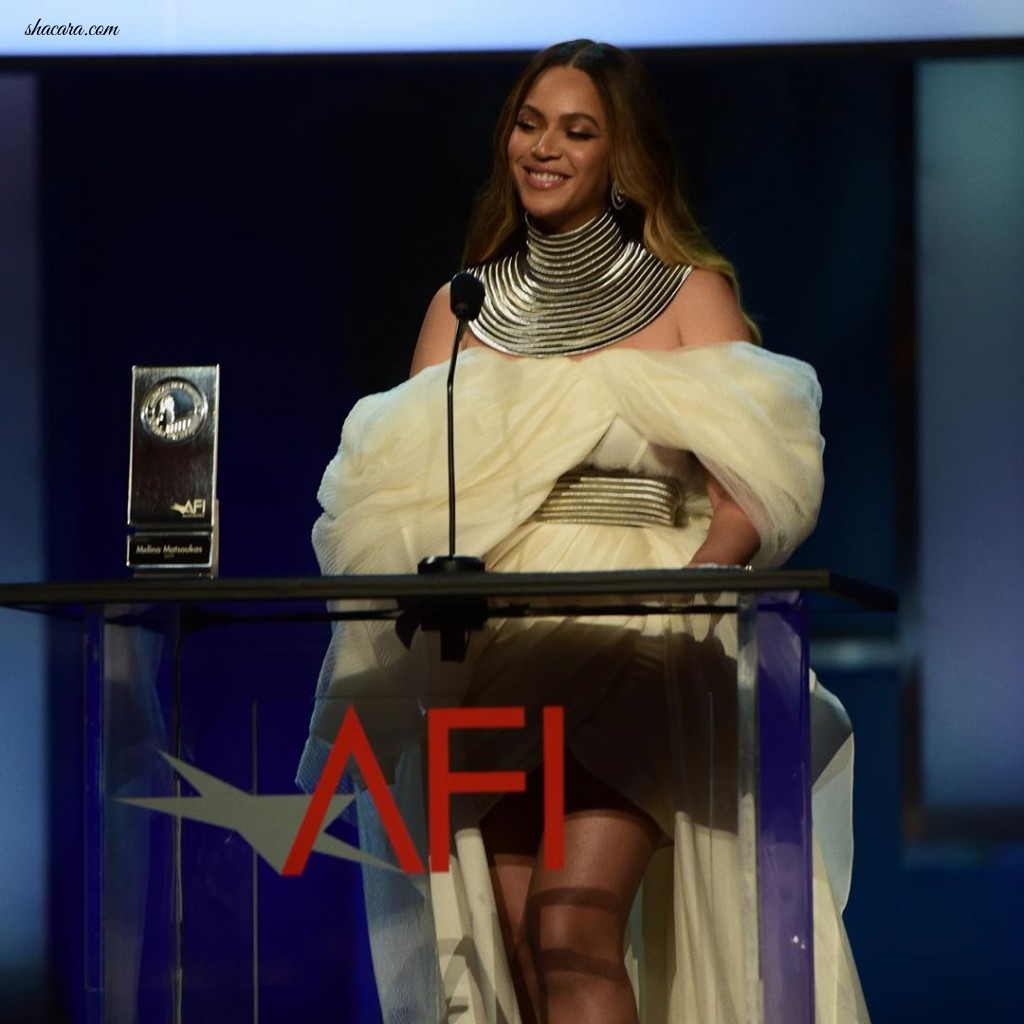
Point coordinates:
[(203, 689)]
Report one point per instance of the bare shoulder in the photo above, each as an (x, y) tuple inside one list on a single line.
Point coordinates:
[(706, 311), (434, 344)]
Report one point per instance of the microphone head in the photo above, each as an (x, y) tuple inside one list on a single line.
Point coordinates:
[(467, 296)]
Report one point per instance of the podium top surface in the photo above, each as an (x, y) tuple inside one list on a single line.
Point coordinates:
[(409, 590)]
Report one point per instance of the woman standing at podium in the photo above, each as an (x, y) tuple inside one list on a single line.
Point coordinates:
[(613, 411)]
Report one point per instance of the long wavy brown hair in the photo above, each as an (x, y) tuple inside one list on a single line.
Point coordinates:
[(643, 165)]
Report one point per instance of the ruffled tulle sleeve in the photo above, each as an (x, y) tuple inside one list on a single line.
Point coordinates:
[(750, 416)]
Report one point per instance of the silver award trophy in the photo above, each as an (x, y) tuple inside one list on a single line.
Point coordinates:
[(172, 480)]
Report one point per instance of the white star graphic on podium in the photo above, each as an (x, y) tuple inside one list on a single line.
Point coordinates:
[(269, 824)]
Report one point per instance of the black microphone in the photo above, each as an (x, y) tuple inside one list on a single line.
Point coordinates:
[(467, 297), (454, 620)]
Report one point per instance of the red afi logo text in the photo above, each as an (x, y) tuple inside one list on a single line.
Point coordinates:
[(268, 823), (442, 783)]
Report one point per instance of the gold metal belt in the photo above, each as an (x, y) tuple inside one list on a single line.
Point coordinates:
[(612, 499)]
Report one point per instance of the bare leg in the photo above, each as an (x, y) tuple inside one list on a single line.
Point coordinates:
[(564, 930), (576, 918), (511, 833)]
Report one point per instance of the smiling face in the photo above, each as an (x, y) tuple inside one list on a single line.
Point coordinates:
[(559, 151)]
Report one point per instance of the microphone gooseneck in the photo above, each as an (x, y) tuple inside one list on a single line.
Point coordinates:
[(467, 298), (455, 620)]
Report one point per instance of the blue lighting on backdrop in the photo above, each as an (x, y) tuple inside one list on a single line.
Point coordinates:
[(971, 239), (23, 853)]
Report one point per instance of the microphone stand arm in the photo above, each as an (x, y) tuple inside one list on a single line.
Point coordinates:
[(453, 619), (459, 331)]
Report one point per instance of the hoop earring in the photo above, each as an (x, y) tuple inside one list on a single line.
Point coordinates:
[(618, 196)]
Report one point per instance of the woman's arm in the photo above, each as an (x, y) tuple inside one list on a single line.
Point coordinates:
[(437, 334), (706, 310), (732, 538), (708, 314)]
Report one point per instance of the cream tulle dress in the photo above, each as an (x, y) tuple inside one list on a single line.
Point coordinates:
[(751, 418)]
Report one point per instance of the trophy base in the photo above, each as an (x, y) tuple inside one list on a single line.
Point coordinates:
[(173, 553)]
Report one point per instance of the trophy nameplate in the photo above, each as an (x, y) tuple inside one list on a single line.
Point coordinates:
[(172, 480)]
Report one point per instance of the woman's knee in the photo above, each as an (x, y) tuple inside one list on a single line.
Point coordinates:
[(575, 930)]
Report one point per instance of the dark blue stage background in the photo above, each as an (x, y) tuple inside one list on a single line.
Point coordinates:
[(291, 221)]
